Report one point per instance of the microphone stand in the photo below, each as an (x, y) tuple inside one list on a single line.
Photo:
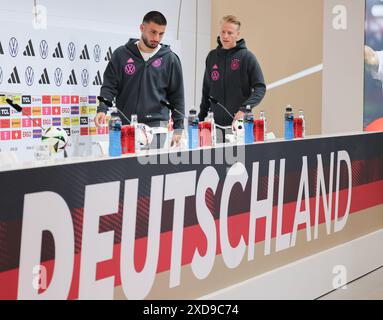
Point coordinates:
[(110, 105), (171, 108), (215, 101)]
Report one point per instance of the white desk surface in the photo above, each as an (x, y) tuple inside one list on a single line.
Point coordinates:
[(22, 165)]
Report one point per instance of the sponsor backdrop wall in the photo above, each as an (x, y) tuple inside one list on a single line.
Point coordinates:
[(56, 80), (56, 73)]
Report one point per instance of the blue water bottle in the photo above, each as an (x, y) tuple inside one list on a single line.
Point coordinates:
[(193, 133), (289, 124), (249, 125), (115, 125)]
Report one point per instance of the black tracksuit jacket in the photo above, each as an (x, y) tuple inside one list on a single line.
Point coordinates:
[(139, 86), (234, 78)]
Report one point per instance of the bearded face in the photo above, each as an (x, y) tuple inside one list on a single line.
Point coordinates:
[(152, 34)]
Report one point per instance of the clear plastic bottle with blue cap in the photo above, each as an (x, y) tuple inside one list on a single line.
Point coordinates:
[(289, 123), (115, 125), (193, 131), (248, 122)]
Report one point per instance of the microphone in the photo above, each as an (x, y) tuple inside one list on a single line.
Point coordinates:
[(14, 105), (106, 101), (215, 101), (110, 105), (20, 109), (172, 108)]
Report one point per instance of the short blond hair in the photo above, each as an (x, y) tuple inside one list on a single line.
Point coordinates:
[(231, 19)]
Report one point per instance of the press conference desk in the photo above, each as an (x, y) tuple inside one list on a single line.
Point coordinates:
[(233, 222)]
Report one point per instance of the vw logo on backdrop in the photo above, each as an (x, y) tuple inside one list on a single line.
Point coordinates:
[(85, 78), (29, 76), (71, 51), (43, 49), (97, 53), (13, 47), (58, 77)]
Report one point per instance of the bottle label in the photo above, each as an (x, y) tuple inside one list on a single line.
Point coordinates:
[(128, 139), (289, 129), (249, 132), (259, 130), (298, 128), (114, 143), (205, 134)]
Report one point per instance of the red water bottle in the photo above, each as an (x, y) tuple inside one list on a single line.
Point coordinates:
[(128, 137), (297, 128), (205, 136), (259, 127), (299, 125), (170, 124)]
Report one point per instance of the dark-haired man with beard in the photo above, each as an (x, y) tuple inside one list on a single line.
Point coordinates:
[(141, 74)]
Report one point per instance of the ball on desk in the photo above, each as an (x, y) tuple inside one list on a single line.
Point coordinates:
[(56, 138), (238, 127)]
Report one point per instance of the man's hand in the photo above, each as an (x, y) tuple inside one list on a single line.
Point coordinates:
[(176, 140), (371, 59), (99, 119), (239, 115)]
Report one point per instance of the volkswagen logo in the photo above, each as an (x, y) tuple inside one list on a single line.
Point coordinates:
[(13, 47), (58, 77), (1, 75), (85, 78), (97, 53), (71, 51), (43, 49), (29, 76)]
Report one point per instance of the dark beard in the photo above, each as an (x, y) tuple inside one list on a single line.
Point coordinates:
[(147, 43)]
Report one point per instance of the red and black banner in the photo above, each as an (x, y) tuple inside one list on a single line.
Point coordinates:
[(181, 210)]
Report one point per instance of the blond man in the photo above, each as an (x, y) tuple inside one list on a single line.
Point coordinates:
[(233, 76)]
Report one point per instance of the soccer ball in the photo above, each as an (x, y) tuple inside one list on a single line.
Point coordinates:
[(56, 138), (238, 128), (144, 134)]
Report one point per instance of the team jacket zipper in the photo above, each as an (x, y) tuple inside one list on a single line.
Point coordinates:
[(139, 86)]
